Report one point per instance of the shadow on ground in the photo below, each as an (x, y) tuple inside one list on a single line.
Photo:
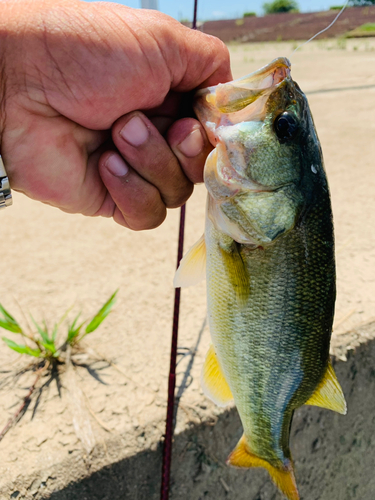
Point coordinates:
[(334, 455)]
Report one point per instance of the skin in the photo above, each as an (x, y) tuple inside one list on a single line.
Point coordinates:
[(73, 75)]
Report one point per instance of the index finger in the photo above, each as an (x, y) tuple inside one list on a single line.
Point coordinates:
[(203, 60)]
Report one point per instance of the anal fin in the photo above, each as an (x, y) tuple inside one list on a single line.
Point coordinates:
[(329, 394), (213, 381), (192, 268), (283, 477)]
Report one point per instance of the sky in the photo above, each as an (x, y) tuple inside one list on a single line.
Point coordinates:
[(224, 9)]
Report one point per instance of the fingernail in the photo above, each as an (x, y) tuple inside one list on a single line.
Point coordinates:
[(192, 145), (135, 132), (117, 166)]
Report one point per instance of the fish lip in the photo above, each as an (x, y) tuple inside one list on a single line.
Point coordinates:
[(278, 69)]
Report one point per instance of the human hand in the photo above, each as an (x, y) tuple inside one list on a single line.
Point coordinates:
[(70, 72)]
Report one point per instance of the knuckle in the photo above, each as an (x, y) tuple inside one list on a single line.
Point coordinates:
[(147, 212), (145, 223), (180, 197)]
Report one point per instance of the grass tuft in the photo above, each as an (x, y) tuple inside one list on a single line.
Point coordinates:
[(43, 343)]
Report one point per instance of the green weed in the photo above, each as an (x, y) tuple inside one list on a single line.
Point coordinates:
[(44, 342), (367, 27)]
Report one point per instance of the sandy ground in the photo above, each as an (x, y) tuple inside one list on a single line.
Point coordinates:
[(51, 261)]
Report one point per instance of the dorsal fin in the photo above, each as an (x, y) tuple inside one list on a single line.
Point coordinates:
[(283, 477), (213, 381), (192, 268), (329, 394)]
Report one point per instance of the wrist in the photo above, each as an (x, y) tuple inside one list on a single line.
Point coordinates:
[(5, 192)]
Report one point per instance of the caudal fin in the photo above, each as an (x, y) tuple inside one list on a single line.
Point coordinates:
[(282, 477)]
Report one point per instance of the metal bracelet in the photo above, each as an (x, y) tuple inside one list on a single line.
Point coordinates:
[(5, 192)]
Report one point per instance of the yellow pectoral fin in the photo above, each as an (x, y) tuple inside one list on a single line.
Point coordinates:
[(283, 477), (329, 393), (237, 273), (192, 268), (213, 381)]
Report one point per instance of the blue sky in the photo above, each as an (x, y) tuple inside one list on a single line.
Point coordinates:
[(222, 9)]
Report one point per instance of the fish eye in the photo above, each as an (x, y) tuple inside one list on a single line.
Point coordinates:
[(286, 126)]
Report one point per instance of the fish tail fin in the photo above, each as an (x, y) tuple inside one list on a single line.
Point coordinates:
[(283, 477)]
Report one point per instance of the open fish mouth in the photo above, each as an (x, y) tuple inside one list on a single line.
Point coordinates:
[(240, 100), (227, 112)]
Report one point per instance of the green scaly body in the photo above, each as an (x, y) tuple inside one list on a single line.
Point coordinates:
[(274, 348)]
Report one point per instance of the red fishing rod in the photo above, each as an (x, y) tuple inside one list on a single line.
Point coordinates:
[(167, 450)]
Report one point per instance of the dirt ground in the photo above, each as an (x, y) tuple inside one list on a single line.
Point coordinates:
[(51, 261)]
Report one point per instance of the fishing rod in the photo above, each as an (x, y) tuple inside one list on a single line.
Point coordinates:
[(167, 449)]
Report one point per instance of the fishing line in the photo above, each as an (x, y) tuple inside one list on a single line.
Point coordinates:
[(167, 450), (325, 29)]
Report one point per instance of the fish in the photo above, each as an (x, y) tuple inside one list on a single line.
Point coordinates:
[(268, 258)]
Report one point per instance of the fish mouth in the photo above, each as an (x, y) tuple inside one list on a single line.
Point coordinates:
[(220, 107), (240, 100)]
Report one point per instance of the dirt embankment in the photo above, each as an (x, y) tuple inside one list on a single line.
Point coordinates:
[(293, 26)]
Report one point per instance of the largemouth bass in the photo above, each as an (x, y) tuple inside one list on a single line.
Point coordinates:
[(268, 256)]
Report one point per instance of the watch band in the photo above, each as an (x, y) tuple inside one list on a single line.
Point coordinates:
[(5, 192)]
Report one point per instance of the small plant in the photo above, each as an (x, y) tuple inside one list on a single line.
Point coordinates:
[(49, 350), (43, 343)]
